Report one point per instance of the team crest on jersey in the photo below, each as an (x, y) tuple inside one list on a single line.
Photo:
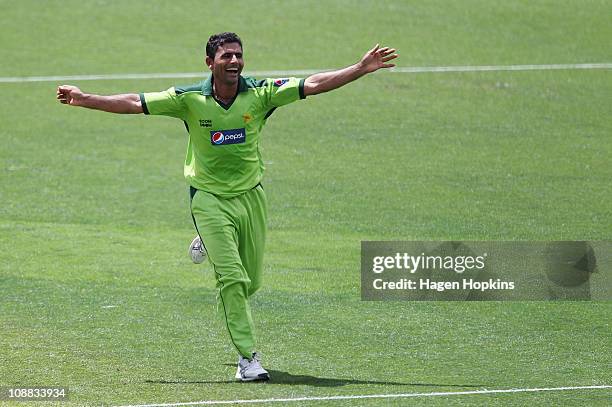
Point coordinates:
[(231, 136), (280, 82)]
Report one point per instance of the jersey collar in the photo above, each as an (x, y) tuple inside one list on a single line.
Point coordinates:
[(207, 86)]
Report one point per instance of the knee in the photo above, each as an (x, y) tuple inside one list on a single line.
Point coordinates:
[(232, 280)]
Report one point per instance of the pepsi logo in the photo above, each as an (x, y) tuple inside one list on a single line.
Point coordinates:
[(280, 82), (227, 136), (217, 137)]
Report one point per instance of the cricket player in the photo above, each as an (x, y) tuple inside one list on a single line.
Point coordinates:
[(224, 116)]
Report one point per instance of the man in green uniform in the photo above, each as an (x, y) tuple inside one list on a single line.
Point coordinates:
[(224, 116)]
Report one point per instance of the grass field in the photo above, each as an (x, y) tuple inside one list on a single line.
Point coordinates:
[(97, 292)]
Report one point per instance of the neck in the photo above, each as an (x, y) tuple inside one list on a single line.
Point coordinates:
[(223, 91)]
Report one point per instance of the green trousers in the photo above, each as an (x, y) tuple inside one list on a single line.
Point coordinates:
[(233, 231)]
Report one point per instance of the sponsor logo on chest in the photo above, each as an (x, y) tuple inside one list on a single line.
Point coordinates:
[(231, 136)]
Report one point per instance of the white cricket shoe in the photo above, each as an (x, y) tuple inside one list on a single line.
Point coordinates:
[(197, 252), (250, 369)]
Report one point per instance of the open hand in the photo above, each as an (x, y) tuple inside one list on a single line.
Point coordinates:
[(377, 58), (69, 95)]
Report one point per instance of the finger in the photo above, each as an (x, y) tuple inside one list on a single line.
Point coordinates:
[(390, 57), (373, 50), (382, 50), (65, 88), (388, 51), (388, 66)]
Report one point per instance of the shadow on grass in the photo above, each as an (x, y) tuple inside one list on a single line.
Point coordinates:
[(280, 377)]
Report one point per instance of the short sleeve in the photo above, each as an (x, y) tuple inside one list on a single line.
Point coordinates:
[(282, 91), (165, 103)]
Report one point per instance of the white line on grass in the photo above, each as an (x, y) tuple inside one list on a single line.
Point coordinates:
[(406, 69), (370, 396)]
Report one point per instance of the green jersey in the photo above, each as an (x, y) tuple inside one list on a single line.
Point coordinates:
[(223, 155)]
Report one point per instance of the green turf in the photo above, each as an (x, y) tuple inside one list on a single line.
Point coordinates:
[(97, 292)]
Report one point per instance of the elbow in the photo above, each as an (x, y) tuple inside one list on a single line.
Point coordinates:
[(137, 105), (137, 108), (311, 87)]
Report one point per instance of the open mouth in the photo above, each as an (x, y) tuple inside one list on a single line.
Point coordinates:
[(232, 70)]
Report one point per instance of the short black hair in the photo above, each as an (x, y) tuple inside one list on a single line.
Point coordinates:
[(217, 40)]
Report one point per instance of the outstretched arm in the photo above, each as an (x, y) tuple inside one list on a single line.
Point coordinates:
[(373, 60), (125, 103)]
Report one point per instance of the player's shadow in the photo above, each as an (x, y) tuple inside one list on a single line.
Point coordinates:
[(280, 377)]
